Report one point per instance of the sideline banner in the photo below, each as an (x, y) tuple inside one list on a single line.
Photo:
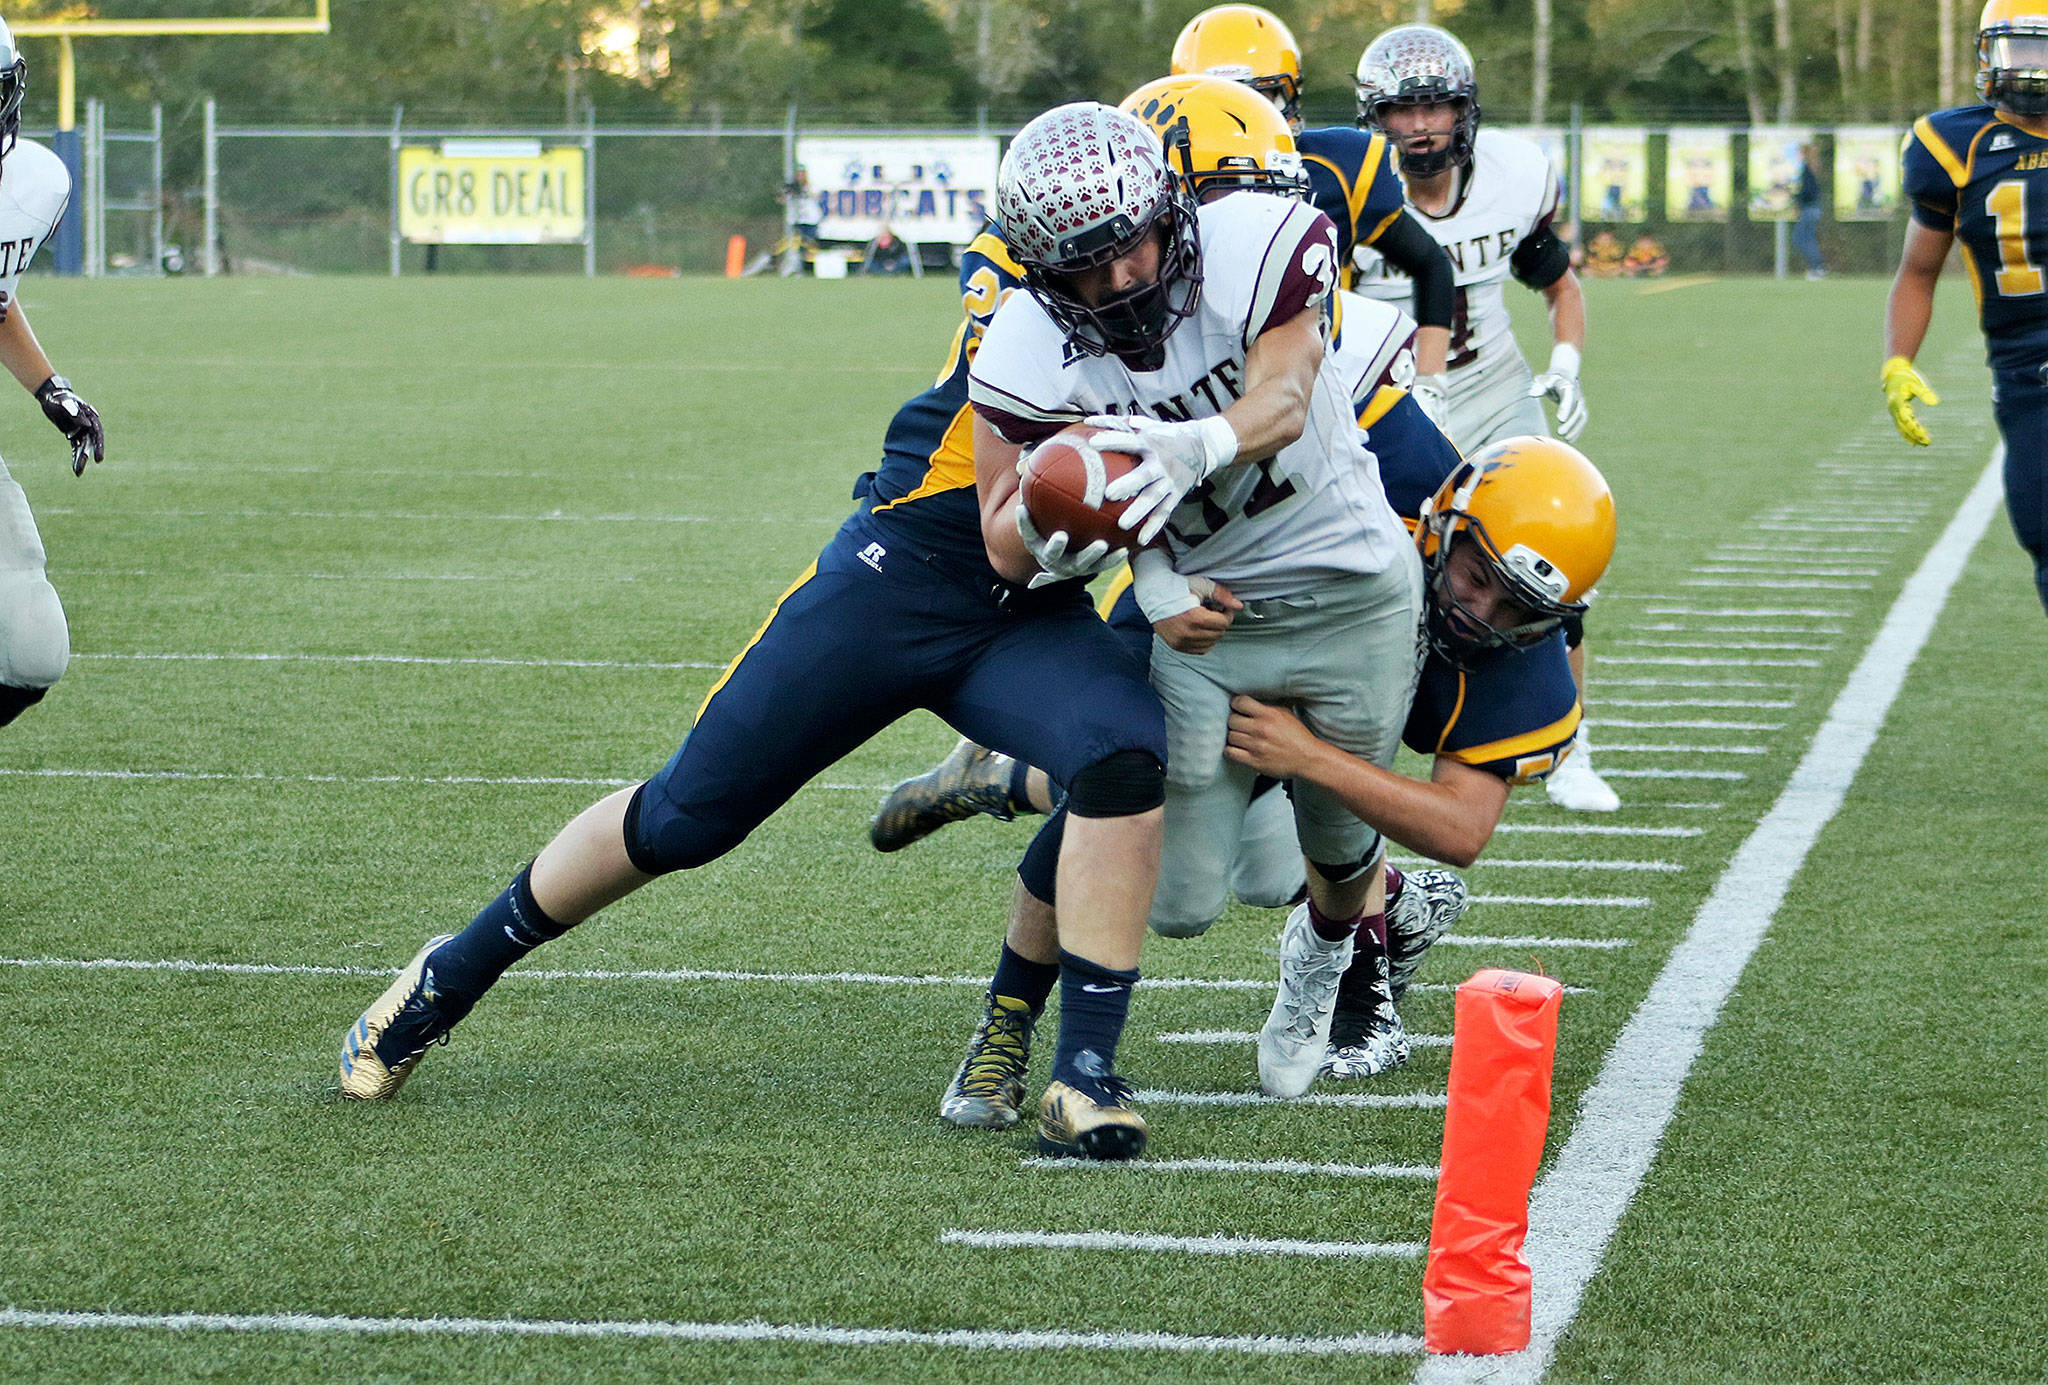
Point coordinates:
[(923, 188), (491, 192), (1615, 185), (1699, 174), (1774, 164), (1867, 172)]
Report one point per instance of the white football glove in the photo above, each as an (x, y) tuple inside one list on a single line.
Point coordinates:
[(1432, 395), (1174, 459), (1560, 384), (1055, 563)]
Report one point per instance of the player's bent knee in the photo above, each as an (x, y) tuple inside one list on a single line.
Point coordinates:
[(664, 842), (35, 644), (1121, 785), (1343, 872), (1177, 927)]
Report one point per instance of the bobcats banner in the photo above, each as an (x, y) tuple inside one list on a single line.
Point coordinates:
[(490, 192), (1774, 164), (1699, 174), (1866, 172), (923, 188), (1615, 185)]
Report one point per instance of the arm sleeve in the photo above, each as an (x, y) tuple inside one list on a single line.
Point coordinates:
[(1410, 248)]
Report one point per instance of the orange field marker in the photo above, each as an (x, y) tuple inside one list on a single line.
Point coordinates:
[(1476, 1285)]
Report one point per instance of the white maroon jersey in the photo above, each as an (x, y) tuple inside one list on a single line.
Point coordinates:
[(1509, 194), (1268, 527), (34, 186), (1373, 345)]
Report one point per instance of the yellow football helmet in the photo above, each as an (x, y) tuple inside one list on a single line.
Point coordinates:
[(1542, 519), (1220, 136), (1243, 43), (2012, 56)]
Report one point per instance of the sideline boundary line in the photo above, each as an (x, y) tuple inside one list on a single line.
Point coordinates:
[(1624, 1114), (1363, 1344)]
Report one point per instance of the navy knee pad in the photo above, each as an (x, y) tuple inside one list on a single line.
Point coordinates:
[(14, 701), (1039, 871), (660, 841), (1121, 785)]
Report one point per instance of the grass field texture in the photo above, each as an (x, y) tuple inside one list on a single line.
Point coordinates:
[(384, 581)]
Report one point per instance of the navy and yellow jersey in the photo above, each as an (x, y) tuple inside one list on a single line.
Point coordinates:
[(1972, 173), (924, 490), (1511, 716), (1355, 180)]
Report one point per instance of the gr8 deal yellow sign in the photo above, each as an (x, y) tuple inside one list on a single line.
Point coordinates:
[(490, 192)]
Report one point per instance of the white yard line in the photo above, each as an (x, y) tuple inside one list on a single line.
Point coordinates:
[(1780, 705), (1689, 661), (1623, 1116), (997, 1339), (1531, 863), (1487, 940), (1595, 829), (1387, 1101), (1566, 901), (212, 658), (1681, 724), (1181, 1245), (1231, 1037), (1750, 612), (1738, 645), (1823, 584), (1294, 1167), (458, 517), (1607, 773), (1658, 749)]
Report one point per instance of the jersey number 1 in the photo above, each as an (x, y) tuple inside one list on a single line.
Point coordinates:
[(2017, 275)]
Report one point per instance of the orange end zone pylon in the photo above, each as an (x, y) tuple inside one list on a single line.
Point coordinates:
[(1476, 1287)]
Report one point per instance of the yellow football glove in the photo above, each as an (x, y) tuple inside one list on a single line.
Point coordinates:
[(1903, 385)]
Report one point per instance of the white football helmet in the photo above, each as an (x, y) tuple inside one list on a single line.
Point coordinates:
[(13, 83), (1420, 65), (1081, 186)]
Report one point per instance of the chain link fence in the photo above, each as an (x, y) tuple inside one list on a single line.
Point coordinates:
[(319, 200)]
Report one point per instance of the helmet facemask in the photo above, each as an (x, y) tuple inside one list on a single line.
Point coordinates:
[(1132, 325), (13, 85), (1456, 153), (1459, 634), (2012, 66)]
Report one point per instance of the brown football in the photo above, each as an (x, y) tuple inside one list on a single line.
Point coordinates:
[(1063, 485)]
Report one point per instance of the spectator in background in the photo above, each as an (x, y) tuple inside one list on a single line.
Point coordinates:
[(886, 254), (1645, 257), (1603, 255), (1806, 230)]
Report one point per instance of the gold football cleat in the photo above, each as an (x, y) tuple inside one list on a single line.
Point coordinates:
[(382, 1048), (1073, 1125)]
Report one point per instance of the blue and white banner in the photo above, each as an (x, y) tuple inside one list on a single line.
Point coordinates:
[(922, 188)]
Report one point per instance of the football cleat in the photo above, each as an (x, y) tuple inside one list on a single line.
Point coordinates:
[(383, 1047), (973, 779), (1078, 1124), (1297, 1032), (1575, 787), (987, 1093), (1384, 1048), (1431, 903)]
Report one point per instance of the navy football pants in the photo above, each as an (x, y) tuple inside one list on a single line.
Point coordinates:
[(860, 642), (2020, 403)]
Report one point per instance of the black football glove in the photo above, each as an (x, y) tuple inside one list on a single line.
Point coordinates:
[(75, 419)]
